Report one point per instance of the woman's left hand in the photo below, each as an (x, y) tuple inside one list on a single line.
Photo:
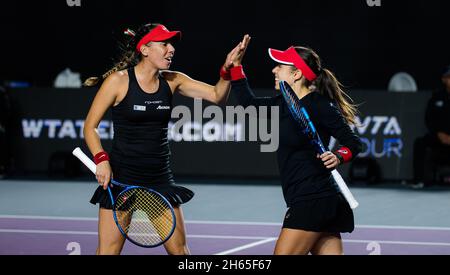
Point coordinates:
[(330, 160), (234, 58)]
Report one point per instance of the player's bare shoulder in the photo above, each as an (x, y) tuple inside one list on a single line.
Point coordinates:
[(117, 81), (115, 86), (174, 78), (117, 78)]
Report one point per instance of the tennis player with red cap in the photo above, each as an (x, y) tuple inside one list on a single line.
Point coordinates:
[(317, 212), (139, 91)]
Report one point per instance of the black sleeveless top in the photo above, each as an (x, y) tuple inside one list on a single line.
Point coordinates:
[(140, 152)]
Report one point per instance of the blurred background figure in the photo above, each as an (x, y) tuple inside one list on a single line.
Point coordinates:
[(432, 152), (68, 79), (402, 82)]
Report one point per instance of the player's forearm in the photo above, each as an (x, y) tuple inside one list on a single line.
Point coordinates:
[(222, 91), (92, 140)]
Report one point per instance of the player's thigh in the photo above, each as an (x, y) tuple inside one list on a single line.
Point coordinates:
[(177, 242), (108, 232), (295, 242), (328, 244)]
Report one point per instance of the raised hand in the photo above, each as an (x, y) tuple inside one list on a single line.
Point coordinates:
[(234, 58)]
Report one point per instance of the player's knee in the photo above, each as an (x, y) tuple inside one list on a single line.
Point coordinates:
[(289, 249), (180, 249), (110, 247)]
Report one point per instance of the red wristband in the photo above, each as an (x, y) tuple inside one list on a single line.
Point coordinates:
[(345, 153), (237, 73), (225, 74), (101, 156)]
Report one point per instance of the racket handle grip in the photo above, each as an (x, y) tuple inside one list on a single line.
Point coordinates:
[(84, 159), (344, 189)]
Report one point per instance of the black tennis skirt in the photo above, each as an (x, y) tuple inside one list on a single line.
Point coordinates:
[(329, 214), (175, 194)]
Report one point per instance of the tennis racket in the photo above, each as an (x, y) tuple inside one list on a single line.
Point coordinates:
[(301, 116), (142, 215)]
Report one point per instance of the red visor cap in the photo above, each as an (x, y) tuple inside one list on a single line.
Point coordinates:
[(157, 34), (291, 57)]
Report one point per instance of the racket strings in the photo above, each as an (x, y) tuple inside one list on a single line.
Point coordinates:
[(144, 216)]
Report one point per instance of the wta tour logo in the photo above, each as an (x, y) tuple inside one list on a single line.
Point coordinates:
[(73, 3)]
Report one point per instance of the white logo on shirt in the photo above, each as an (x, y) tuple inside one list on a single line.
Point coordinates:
[(139, 108), (160, 107), (153, 102), (440, 103)]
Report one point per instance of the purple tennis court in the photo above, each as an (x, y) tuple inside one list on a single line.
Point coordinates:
[(62, 236), (56, 218)]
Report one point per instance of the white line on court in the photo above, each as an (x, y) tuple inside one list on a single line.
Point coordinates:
[(220, 222), (27, 231), (247, 246), (26, 217), (64, 232), (263, 239), (397, 242)]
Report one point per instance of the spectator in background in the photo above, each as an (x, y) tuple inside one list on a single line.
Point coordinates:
[(434, 147)]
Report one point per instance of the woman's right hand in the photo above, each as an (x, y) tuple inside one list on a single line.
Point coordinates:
[(103, 174), (234, 58)]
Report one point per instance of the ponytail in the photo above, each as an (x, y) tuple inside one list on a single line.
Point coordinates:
[(129, 57), (328, 85)]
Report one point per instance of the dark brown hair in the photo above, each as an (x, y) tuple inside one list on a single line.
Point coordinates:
[(328, 85)]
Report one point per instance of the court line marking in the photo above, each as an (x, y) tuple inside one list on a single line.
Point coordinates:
[(247, 246), (397, 242), (261, 238), (220, 222), (25, 217), (64, 232)]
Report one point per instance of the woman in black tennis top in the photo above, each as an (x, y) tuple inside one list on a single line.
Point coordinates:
[(317, 212), (139, 90)]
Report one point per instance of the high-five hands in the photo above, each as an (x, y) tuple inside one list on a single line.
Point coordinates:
[(234, 58)]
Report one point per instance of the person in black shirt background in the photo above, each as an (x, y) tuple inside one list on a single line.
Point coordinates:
[(434, 147), (317, 212)]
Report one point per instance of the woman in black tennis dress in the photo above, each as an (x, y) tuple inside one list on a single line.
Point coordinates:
[(317, 212), (139, 90)]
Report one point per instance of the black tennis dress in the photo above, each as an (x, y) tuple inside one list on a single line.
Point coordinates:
[(312, 197), (140, 152)]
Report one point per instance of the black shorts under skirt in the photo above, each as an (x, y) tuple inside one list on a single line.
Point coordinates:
[(330, 214)]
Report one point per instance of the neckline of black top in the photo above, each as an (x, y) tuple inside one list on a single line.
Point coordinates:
[(142, 90)]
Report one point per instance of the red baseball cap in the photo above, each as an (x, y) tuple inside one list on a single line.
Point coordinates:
[(291, 57), (159, 33)]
